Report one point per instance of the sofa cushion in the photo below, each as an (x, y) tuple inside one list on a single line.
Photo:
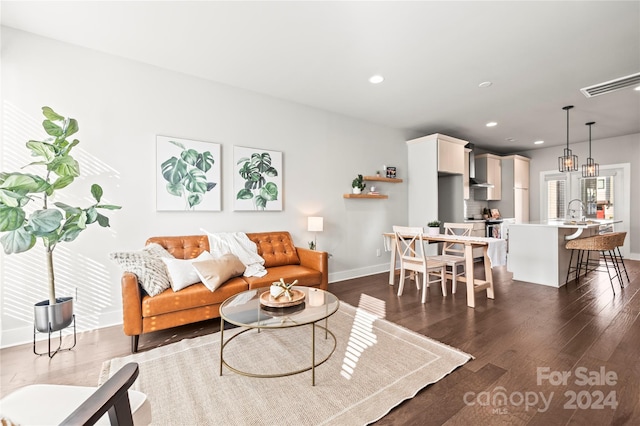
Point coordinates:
[(147, 266), (306, 277), (193, 296), (181, 272), (214, 272), (276, 248)]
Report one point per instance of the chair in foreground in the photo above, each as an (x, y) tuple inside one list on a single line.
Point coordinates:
[(77, 405), (410, 248), (452, 253)]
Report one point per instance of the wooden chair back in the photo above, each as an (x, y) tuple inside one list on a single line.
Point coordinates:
[(460, 229), (410, 247)]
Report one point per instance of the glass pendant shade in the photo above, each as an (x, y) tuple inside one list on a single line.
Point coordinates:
[(591, 169), (568, 162)]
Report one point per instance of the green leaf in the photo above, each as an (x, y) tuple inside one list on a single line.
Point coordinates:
[(178, 144), (17, 241), (103, 221), (11, 199), (51, 114), (210, 186), (260, 201), (42, 222), (70, 234), (96, 191), (82, 220), (194, 199), (69, 210), (65, 166), (242, 160), (190, 156), (205, 161), (68, 147), (71, 127), (11, 218), (269, 191), (255, 184), (24, 183), (271, 172), (261, 161), (92, 215), (195, 181), (108, 207), (42, 149), (175, 189), (174, 170), (52, 128), (62, 182), (244, 194)]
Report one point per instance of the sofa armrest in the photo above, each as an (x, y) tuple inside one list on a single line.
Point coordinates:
[(317, 260), (131, 305)]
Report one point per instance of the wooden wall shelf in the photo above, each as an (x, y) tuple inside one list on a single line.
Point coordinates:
[(380, 196), (382, 179)]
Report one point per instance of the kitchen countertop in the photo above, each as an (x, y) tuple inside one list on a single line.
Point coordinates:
[(572, 224)]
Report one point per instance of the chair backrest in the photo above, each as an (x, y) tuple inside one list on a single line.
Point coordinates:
[(111, 397), (410, 247), (460, 229)]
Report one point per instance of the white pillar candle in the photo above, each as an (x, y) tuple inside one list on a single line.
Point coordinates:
[(316, 297)]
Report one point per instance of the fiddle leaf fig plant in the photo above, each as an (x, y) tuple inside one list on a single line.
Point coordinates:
[(56, 223)]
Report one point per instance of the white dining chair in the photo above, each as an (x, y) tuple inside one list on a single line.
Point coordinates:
[(452, 253), (410, 248)]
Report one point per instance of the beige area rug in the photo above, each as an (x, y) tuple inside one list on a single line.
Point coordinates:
[(376, 366)]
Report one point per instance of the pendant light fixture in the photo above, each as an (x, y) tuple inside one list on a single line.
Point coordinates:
[(568, 162), (591, 169)]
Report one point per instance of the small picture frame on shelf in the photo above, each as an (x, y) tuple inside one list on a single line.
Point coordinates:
[(391, 172)]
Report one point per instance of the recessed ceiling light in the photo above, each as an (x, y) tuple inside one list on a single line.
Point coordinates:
[(491, 124), (510, 139), (376, 79), (485, 84), (538, 142)]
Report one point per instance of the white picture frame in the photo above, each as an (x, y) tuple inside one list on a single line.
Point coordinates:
[(257, 179)]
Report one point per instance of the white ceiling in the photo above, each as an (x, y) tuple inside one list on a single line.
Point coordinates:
[(433, 55)]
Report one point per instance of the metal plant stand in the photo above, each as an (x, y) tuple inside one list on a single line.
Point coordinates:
[(59, 348)]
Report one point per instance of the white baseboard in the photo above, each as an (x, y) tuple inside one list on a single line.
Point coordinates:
[(360, 272)]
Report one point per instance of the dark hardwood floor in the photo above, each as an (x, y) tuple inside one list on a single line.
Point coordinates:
[(523, 342)]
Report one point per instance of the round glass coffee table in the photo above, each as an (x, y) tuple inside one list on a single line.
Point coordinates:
[(245, 310)]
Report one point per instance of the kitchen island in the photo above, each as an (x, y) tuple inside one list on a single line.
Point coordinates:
[(537, 252)]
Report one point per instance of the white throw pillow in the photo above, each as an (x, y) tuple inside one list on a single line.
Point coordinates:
[(181, 271), (215, 272)]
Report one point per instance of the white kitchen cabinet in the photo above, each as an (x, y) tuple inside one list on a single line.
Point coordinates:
[(465, 175), (515, 188), (450, 155), (489, 169)]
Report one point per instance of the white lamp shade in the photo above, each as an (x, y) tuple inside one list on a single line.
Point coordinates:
[(314, 224)]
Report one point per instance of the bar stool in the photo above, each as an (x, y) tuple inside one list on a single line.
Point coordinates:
[(606, 244)]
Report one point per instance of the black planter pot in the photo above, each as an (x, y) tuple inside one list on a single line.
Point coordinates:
[(59, 315)]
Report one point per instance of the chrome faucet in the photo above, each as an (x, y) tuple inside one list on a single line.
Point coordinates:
[(571, 212)]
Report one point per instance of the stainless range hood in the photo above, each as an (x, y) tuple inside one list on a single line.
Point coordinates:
[(473, 182)]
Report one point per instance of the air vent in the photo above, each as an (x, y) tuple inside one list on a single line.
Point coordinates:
[(611, 86)]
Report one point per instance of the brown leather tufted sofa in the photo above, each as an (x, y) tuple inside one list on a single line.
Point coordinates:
[(144, 314)]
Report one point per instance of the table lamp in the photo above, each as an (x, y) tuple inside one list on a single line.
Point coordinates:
[(314, 224)]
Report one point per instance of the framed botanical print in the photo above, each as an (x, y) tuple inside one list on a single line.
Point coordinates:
[(257, 179), (187, 175)]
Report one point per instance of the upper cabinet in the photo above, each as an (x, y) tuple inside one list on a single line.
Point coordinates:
[(465, 175), (489, 169), (515, 188), (450, 154)]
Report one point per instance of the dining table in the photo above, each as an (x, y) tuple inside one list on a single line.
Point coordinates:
[(494, 254)]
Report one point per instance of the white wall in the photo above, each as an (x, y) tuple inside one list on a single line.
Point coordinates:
[(121, 106), (619, 150)]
